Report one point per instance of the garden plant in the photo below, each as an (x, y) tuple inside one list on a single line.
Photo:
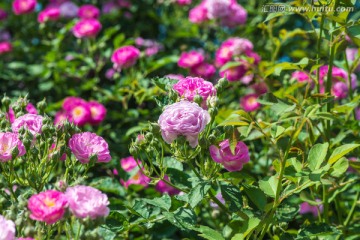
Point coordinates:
[(179, 119)]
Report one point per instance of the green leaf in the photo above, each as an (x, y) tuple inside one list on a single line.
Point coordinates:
[(355, 165), (286, 212), (317, 155), (267, 99), (208, 233), (340, 167), (247, 227), (256, 196), (107, 234), (232, 195), (198, 193), (318, 230), (182, 218), (281, 107), (164, 83), (341, 151), (268, 185), (163, 202)]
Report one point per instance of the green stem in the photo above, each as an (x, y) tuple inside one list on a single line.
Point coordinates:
[(318, 52), (78, 232), (326, 205), (351, 213)]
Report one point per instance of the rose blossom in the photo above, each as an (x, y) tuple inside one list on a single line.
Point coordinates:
[(233, 47), (217, 8), (307, 208), (183, 118), (238, 73), (31, 122), (301, 76), (98, 112), (189, 87), (260, 88), (223, 155), (8, 142), (190, 59), (237, 16), (86, 28), (85, 201), (30, 108), (198, 14), (80, 115), (60, 118), (7, 229), (88, 11), (163, 187), (128, 164), (3, 14), (68, 10), (340, 90), (183, 2), (49, 14), (204, 70), (23, 6), (85, 145), (249, 102), (70, 102), (5, 47), (48, 206), (125, 57)]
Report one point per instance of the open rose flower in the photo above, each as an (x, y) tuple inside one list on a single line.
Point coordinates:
[(7, 229), (125, 57), (87, 144), (232, 162), (183, 118), (23, 6), (5, 47), (49, 14), (249, 102), (163, 187), (307, 208), (97, 112), (31, 122), (204, 70), (130, 165), (86, 28), (48, 206), (190, 59), (85, 201), (88, 11), (68, 10), (8, 142), (198, 14)]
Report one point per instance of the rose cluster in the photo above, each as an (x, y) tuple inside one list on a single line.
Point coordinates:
[(195, 62), (80, 112)]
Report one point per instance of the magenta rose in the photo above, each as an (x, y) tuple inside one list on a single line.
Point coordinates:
[(190, 59), (183, 118), (125, 57), (97, 111), (3, 14), (23, 6), (88, 11), (163, 187), (204, 70), (5, 47), (49, 14), (232, 162), (8, 142), (86, 28), (31, 122), (198, 14), (249, 102)]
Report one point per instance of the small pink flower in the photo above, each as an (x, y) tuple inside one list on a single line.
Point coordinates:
[(70, 102), (128, 163), (69, 10), (183, 2), (307, 208), (163, 187), (217, 8), (31, 122), (60, 118), (204, 70), (88, 11), (190, 59), (183, 118), (340, 90), (80, 115), (137, 179), (238, 73), (49, 14), (198, 14), (237, 16), (23, 6), (125, 57), (234, 47), (249, 102), (260, 88), (86, 28), (7, 229), (5, 47), (8, 142), (232, 162), (87, 144), (109, 74), (48, 206), (301, 76), (10, 115), (30, 108), (85, 201), (98, 112), (3, 14)]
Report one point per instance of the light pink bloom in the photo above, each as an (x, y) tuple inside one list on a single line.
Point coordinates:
[(60, 118), (85, 201), (234, 47), (87, 144), (69, 10), (23, 6), (237, 16), (204, 70), (48, 206), (128, 163), (183, 118), (340, 90), (88, 11), (301, 76), (98, 112), (137, 179), (31, 122), (223, 155), (5, 47), (125, 57), (8, 142), (190, 59), (86, 28), (189, 87), (30, 108), (217, 8), (49, 14), (198, 14), (249, 102), (183, 2), (3, 14), (163, 187), (238, 73), (307, 208), (7, 229)]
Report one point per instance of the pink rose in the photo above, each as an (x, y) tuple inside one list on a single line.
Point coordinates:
[(5, 47), (7, 227), (183, 2), (217, 8), (3, 14), (163, 187), (23, 6), (198, 14), (30, 108), (301, 76), (48, 206), (8, 142), (128, 163), (237, 16), (307, 208), (69, 10), (125, 57), (31, 122), (232, 48), (49, 14), (204, 70), (60, 118), (86, 28), (340, 90), (238, 73), (190, 59), (249, 102), (137, 179), (87, 144), (223, 155), (79, 115), (85, 201), (183, 118), (97, 111), (88, 11)]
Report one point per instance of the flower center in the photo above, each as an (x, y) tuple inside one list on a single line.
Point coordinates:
[(49, 202), (77, 112)]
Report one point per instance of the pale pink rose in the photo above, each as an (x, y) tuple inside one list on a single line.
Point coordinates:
[(237, 16), (5, 47), (69, 10), (3, 14), (88, 11), (163, 187), (190, 59), (234, 47), (98, 112), (23, 6), (85, 145), (314, 210), (7, 229), (86, 28), (31, 122), (232, 162), (8, 142), (125, 57), (249, 102), (30, 108), (109, 74), (85, 201), (183, 118), (204, 70), (217, 8), (198, 14), (49, 14), (48, 206)]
